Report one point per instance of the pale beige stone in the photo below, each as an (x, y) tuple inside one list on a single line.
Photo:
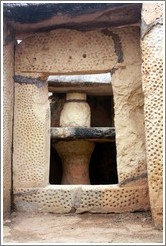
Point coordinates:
[(152, 81), (151, 12), (48, 54), (65, 51), (129, 125), (8, 89), (31, 136), (75, 113), (75, 155), (129, 117), (76, 95), (82, 198)]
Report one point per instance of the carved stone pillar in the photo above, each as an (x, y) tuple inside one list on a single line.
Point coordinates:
[(75, 155)]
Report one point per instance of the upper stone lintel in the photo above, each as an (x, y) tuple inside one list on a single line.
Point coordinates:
[(91, 78)]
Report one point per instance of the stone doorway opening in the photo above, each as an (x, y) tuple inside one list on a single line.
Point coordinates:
[(103, 164), (33, 191)]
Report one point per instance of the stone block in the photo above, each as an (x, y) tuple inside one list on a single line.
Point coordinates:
[(152, 82), (88, 133), (8, 91), (31, 136), (82, 198)]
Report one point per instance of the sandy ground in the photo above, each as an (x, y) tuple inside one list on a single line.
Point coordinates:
[(81, 228)]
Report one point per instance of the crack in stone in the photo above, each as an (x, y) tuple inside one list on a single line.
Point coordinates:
[(76, 200)]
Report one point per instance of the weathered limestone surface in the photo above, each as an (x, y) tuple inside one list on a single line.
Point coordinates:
[(69, 51), (129, 115), (114, 50), (8, 89), (31, 136), (151, 12), (97, 84), (152, 81), (79, 199)]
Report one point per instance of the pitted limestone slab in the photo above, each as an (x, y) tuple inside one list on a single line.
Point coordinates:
[(82, 198), (31, 136), (152, 81), (65, 51)]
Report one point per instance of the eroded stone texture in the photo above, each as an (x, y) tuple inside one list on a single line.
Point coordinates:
[(31, 136), (8, 89), (79, 199), (115, 50), (151, 12), (68, 51), (129, 115), (152, 80)]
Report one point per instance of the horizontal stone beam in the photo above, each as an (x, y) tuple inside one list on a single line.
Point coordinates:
[(88, 88), (98, 84), (93, 133), (34, 17), (86, 78)]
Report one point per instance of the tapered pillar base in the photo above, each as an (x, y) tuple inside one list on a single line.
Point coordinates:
[(75, 156)]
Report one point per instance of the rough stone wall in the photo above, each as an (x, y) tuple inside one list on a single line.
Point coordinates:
[(114, 50), (31, 136), (8, 89), (152, 81)]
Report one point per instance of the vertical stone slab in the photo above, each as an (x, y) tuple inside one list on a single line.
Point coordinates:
[(129, 115), (152, 81), (8, 88), (8, 72), (31, 136)]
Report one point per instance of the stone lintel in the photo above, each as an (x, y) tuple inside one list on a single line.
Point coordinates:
[(92, 133), (84, 78), (88, 83), (88, 88)]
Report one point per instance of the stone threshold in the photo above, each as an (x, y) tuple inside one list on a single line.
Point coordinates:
[(96, 134), (82, 198)]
